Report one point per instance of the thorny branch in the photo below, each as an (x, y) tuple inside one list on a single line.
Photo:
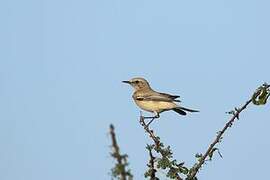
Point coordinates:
[(165, 161), (202, 160), (120, 168), (152, 171), (259, 98), (150, 132)]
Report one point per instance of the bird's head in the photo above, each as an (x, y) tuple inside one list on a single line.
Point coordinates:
[(138, 83)]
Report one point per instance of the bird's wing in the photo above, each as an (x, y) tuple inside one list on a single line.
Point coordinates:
[(154, 97), (173, 97)]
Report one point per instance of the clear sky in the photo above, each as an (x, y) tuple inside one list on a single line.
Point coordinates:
[(61, 67)]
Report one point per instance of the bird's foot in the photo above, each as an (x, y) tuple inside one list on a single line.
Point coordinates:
[(142, 118)]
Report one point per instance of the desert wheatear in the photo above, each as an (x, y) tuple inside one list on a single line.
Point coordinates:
[(152, 101)]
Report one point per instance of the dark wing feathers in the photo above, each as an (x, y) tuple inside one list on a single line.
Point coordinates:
[(173, 97), (169, 95), (153, 98), (156, 96)]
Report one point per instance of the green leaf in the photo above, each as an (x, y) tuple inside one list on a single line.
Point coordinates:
[(261, 95)]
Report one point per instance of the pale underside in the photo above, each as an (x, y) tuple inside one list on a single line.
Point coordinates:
[(155, 106)]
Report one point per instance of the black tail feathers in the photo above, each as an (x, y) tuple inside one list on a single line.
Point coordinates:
[(181, 110)]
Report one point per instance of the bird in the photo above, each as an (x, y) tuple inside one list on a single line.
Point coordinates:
[(155, 102)]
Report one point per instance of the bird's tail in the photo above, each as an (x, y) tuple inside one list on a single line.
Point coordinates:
[(181, 110)]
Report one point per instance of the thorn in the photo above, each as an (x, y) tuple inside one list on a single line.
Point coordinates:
[(237, 113)]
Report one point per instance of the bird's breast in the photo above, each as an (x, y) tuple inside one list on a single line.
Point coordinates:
[(155, 106)]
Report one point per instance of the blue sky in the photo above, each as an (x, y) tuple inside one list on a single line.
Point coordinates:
[(61, 67)]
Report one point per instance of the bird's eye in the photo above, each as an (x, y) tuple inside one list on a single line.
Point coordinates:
[(137, 82)]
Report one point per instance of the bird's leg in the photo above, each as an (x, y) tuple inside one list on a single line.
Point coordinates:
[(142, 118), (150, 121), (149, 117), (153, 118)]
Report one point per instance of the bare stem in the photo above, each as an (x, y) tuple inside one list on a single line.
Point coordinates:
[(150, 132), (120, 167), (202, 160)]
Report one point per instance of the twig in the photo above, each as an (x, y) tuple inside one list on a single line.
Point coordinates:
[(120, 167), (259, 97), (202, 160), (165, 153), (150, 132), (151, 164)]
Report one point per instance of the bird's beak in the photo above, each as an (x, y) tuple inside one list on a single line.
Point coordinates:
[(126, 82)]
